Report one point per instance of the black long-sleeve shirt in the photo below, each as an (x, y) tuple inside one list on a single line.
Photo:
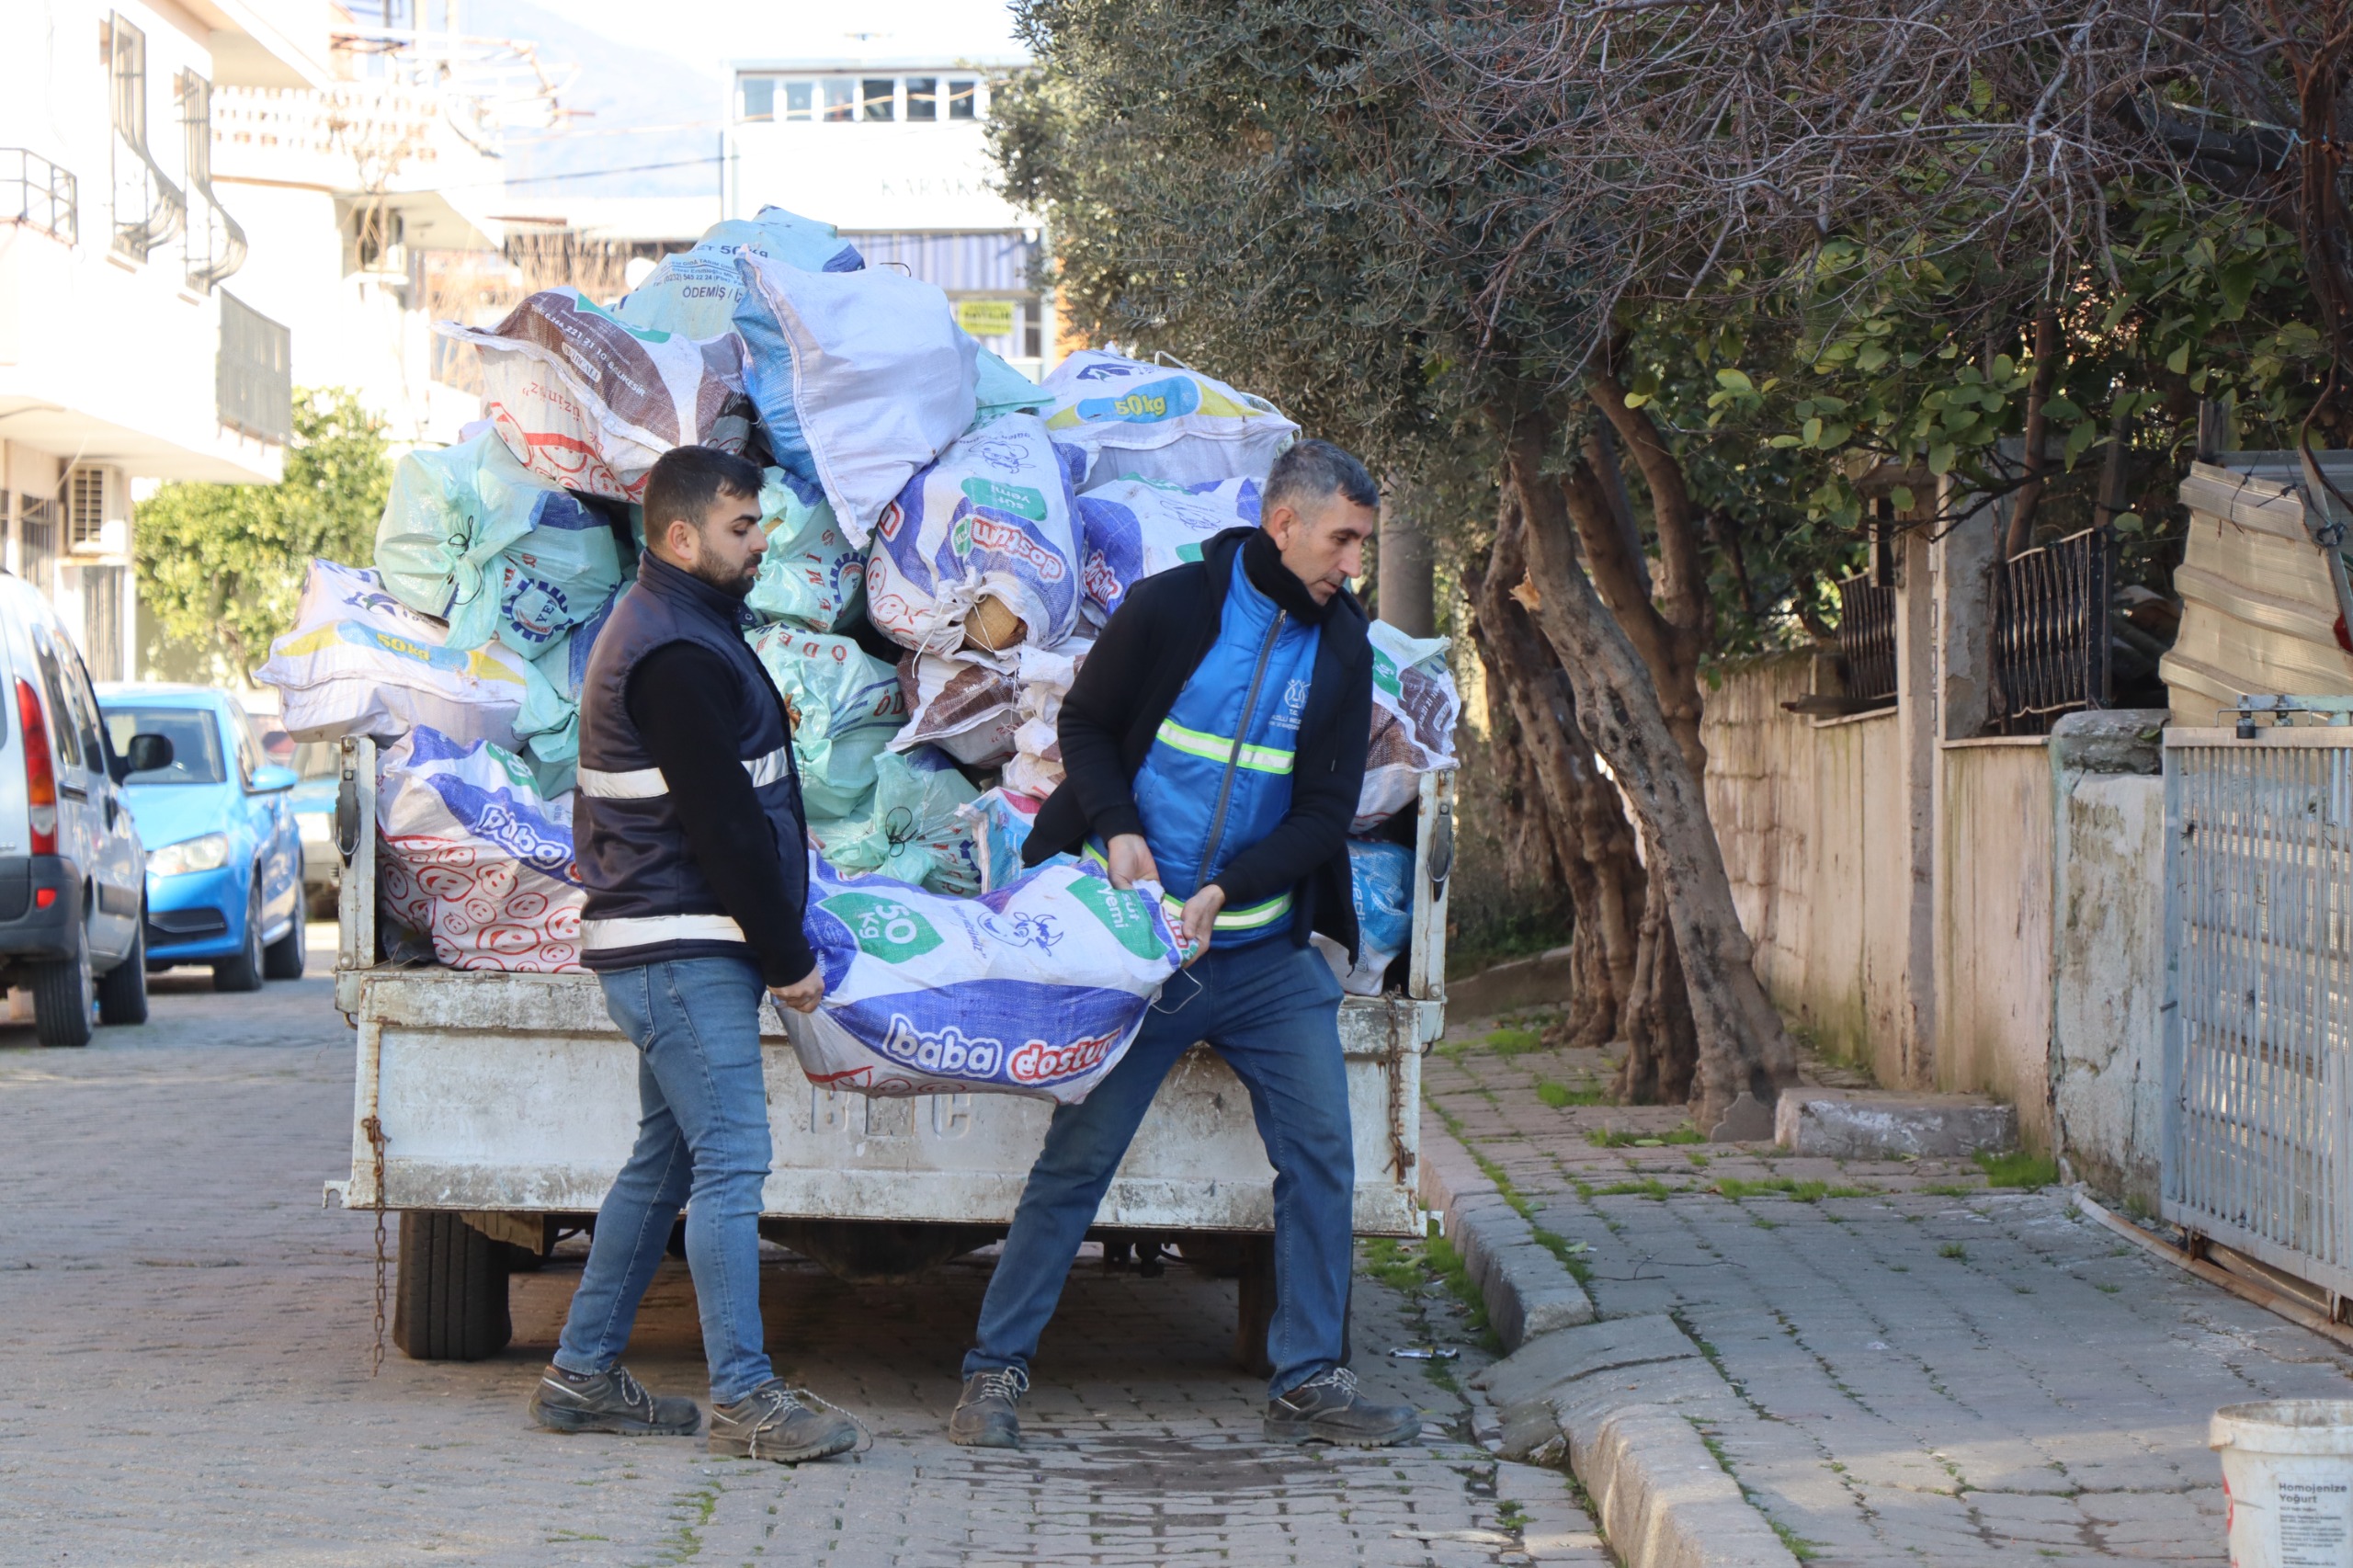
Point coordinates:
[(678, 701)]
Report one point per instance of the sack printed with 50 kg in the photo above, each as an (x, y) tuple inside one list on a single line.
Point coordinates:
[(1036, 989)]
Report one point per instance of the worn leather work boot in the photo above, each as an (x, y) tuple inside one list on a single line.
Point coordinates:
[(610, 1401), (984, 1417), (1327, 1408), (771, 1423)]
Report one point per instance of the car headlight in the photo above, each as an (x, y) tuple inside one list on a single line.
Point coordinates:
[(318, 827), (209, 853)]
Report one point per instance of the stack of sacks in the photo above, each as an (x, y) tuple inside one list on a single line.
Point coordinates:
[(585, 400), (548, 726), (470, 537), (359, 661), (845, 705), (476, 858)]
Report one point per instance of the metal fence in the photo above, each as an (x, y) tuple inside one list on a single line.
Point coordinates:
[(253, 377), (1867, 639), (2259, 994), (2050, 635), (39, 195)]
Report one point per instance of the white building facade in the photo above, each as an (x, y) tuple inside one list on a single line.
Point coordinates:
[(893, 151), (129, 349)]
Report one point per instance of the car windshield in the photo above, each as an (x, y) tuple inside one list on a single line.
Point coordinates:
[(196, 743)]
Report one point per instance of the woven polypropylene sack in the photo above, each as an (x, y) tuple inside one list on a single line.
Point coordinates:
[(1165, 422), (1134, 528), (476, 858)]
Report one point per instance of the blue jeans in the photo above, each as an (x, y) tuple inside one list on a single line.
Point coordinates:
[(703, 1133), (1271, 1011)]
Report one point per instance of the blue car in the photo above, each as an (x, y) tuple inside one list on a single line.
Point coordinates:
[(224, 852)]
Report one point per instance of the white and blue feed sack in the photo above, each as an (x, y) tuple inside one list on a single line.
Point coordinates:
[(992, 519), (1164, 421), (359, 661), (1035, 990), (1381, 878), (1414, 705), (1134, 528), (860, 379), (476, 858)]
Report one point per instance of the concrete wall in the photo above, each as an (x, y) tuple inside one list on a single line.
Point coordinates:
[(1811, 817), (2107, 1035), (1993, 945)]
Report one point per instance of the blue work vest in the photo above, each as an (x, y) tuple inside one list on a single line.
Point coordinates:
[(648, 901), (1217, 778)]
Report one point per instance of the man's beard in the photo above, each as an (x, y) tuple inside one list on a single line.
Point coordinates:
[(736, 584)]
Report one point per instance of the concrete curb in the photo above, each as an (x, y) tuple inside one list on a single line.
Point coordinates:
[(1615, 1398), (1526, 1290), (1543, 980)]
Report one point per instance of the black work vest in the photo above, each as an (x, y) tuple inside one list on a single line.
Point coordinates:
[(647, 899)]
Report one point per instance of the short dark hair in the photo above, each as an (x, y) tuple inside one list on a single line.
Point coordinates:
[(1313, 469), (687, 480)]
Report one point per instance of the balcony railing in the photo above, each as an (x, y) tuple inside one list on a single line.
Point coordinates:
[(254, 374), (2050, 635), (37, 194), (1867, 641)]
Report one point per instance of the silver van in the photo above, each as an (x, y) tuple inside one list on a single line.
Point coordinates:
[(73, 875)]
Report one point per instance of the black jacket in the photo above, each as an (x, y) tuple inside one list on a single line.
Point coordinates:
[(1152, 644)]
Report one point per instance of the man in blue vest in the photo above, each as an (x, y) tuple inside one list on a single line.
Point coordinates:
[(691, 846), (1214, 742)]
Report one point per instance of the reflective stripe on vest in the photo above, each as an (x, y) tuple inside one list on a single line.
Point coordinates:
[(646, 930), (1218, 749), (647, 783)]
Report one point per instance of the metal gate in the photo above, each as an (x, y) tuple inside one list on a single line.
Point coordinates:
[(2259, 1136)]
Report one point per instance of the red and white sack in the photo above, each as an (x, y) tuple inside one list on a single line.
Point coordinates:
[(588, 402), (962, 702), (475, 858), (1414, 709)]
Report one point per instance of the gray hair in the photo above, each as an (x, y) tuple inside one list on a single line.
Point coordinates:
[(1313, 470)]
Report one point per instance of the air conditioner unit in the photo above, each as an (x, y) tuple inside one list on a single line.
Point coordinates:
[(98, 510)]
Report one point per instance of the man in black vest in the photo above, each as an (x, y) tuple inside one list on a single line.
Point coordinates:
[(691, 846)]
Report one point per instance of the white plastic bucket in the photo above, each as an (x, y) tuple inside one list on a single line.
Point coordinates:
[(2288, 1470)]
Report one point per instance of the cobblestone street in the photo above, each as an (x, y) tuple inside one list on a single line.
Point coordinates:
[(188, 1374), (1923, 1368)]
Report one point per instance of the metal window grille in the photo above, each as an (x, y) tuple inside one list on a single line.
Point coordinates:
[(2050, 635), (37, 194), (1867, 639), (37, 540), (148, 208), (216, 242), (253, 377), (2258, 1062)]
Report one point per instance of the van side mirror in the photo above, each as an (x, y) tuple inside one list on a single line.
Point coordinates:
[(147, 754)]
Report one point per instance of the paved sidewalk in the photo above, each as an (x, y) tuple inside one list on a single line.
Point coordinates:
[(185, 1367), (1925, 1370)]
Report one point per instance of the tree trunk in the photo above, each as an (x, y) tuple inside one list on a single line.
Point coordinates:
[(1404, 573), (1662, 1042), (1742, 1043), (2028, 498), (1593, 843)]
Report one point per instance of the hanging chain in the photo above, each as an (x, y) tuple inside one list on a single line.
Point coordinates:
[(374, 1129)]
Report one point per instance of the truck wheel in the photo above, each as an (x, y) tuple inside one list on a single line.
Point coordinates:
[(244, 972), (282, 959), (62, 997), (449, 1300), (1256, 1309), (122, 989)]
